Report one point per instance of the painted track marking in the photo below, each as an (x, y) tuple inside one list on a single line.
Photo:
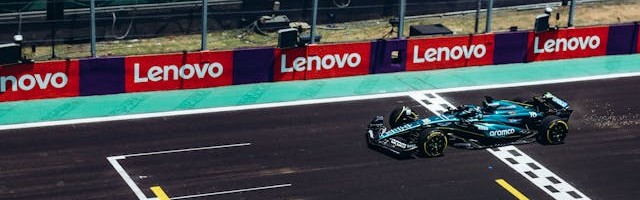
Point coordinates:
[(511, 189), (542, 177), (157, 190), (233, 191), (127, 179), (537, 173), (187, 150), (304, 102), (113, 160)]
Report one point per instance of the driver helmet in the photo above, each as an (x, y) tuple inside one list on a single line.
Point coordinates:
[(408, 113)]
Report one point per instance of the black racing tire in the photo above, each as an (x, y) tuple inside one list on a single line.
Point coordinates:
[(553, 130), (395, 117), (432, 143)]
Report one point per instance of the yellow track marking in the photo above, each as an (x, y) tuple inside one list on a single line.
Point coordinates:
[(511, 189), (157, 190)]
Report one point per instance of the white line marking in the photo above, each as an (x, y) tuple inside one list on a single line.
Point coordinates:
[(127, 179), (541, 181), (232, 191), (435, 103), (134, 187), (304, 102), (186, 150), (522, 166)]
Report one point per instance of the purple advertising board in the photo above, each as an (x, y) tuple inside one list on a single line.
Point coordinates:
[(621, 39), (253, 65), (511, 47), (101, 76), (388, 56)]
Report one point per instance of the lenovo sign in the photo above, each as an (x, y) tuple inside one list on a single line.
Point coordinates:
[(39, 80), (28, 82), (172, 72), (567, 43), (445, 53), (564, 44), (178, 71), (317, 63), (437, 53), (322, 61)]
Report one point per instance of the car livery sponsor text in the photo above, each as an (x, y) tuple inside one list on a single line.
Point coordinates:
[(504, 132)]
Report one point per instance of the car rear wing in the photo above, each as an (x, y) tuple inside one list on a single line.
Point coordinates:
[(555, 105)]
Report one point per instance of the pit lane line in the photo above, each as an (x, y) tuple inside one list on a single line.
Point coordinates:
[(113, 160), (513, 157)]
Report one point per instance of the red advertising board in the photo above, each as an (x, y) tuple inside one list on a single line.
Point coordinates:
[(178, 71), (449, 52), (567, 43), (39, 80), (322, 61)]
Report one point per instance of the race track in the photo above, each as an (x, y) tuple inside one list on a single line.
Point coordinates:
[(318, 152)]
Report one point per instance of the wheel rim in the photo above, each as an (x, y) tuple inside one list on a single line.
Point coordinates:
[(435, 145), (557, 132)]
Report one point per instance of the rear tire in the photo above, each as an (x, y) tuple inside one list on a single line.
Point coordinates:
[(553, 130), (432, 143)]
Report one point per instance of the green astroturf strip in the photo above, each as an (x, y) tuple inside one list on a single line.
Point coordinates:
[(135, 103)]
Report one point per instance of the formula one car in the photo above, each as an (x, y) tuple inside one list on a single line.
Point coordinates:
[(495, 123)]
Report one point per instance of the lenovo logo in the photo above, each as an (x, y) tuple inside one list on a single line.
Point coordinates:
[(564, 44), (447, 53), (28, 82), (173, 72), (318, 63)]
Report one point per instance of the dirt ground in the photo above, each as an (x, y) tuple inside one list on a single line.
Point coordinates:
[(595, 13)]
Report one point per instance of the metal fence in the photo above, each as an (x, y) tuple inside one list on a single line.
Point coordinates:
[(130, 27)]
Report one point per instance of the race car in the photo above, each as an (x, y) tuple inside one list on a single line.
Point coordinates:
[(494, 123)]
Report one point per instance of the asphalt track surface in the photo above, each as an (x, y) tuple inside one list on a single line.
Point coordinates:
[(318, 152)]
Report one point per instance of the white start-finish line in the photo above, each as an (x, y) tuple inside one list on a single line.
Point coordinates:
[(513, 157)]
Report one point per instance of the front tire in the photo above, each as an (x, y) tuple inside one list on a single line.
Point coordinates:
[(432, 143), (553, 130)]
